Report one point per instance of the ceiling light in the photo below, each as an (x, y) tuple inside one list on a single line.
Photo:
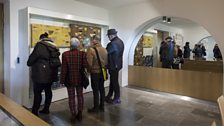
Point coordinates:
[(169, 20), (164, 18)]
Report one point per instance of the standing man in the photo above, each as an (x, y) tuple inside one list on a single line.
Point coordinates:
[(43, 75), (97, 80), (187, 50), (167, 53), (217, 52), (115, 51), (72, 61)]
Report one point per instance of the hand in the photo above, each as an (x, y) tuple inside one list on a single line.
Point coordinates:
[(62, 85)]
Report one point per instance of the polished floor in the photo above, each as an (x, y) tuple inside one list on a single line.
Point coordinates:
[(140, 108)]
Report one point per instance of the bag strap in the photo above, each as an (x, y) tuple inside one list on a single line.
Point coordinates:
[(98, 59), (78, 59)]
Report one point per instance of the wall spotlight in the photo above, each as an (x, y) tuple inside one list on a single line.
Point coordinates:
[(164, 18), (169, 20)]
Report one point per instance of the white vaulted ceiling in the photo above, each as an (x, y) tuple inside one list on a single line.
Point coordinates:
[(110, 4)]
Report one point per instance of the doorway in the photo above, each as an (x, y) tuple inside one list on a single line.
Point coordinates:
[(192, 74)]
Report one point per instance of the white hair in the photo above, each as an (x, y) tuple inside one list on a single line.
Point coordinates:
[(75, 43)]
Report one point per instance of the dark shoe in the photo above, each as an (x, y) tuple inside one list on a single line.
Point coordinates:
[(44, 111), (35, 113), (108, 100), (73, 117), (93, 110), (101, 109), (116, 101), (79, 116)]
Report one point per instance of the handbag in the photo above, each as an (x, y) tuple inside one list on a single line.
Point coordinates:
[(84, 76), (103, 70)]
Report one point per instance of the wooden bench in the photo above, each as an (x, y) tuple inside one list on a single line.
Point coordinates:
[(21, 114), (221, 107)]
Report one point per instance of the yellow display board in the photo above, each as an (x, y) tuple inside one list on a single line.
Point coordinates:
[(60, 35), (147, 41)]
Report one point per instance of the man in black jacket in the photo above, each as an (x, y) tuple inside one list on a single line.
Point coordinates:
[(43, 74), (115, 51)]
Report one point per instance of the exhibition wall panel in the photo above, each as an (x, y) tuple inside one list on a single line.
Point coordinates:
[(34, 22)]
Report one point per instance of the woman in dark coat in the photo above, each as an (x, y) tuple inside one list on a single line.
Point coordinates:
[(42, 74), (217, 52)]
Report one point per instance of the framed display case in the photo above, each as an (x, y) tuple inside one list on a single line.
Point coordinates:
[(61, 27)]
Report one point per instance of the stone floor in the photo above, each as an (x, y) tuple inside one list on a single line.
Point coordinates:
[(141, 108)]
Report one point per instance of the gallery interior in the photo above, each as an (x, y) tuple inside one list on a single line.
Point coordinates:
[(188, 93)]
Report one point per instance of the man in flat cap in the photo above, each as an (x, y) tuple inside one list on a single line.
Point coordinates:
[(168, 53), (115, 51)]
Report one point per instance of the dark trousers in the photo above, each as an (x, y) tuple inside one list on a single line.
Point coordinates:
[(175, 66), (114, 85), (97, 84), (167, 64), (37, 89)]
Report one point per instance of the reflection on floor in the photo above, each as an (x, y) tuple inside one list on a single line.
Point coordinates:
[(140, 108)]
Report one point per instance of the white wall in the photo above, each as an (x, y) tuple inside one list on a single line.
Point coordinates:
[(194, 34), (13, 71), (7, 48), (170, 29), (130, 21)]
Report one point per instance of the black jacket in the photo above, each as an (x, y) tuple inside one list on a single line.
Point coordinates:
[(39, 62), (187, 51), (115, 51)]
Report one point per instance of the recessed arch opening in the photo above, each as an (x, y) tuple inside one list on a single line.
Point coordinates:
[(186, 31)]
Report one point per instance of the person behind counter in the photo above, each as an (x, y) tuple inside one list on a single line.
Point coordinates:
[(217, 52)]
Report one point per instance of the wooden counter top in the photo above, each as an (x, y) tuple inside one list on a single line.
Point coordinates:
[(20, 113), (203, 65)]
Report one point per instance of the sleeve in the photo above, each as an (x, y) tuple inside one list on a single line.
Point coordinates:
[(160, 50), (34, 55), (110, 49), (105, 58), (64, 69), (115, 58)]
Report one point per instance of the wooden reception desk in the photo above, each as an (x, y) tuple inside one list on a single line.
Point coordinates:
[(197, 84), (25, 117), (202, 65)]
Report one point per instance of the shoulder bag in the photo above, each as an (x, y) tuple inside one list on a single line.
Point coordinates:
[(84, 76), (103, 70)]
